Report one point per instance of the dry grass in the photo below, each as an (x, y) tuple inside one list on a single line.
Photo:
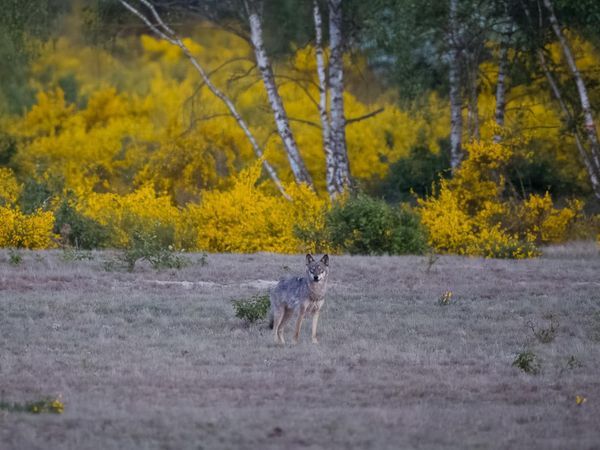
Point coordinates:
[(158, 360)]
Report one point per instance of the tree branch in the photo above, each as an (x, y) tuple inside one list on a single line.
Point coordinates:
[(366, 116), (164, 32), (306, 122)]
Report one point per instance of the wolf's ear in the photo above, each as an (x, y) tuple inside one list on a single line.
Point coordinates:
[(325, 260), (309, 258)]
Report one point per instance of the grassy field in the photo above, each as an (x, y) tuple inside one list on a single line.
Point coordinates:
[(157, 360)]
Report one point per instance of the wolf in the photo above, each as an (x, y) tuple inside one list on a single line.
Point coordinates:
[(304, 295)]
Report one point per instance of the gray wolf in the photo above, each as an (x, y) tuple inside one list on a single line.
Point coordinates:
[(301, 295)]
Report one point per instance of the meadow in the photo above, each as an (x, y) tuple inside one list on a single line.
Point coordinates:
[(158, 360)]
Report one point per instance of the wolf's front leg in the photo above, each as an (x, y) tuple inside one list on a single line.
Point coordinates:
[(298, 326), (314, 327)]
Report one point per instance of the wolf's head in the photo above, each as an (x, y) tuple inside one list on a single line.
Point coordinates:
[(317, 271)]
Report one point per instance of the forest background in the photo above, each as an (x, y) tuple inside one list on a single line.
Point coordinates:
[(298, 125)]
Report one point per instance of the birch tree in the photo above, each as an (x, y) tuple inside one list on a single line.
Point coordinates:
[(341, 176), (454, 79), (505, 31), (592, 167), (155, 23), (253, 9), (500, 108), (330, 160), (589, 156), (589, 125)]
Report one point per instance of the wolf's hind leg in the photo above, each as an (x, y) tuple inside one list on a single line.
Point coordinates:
[(286, 316), (278, 314)]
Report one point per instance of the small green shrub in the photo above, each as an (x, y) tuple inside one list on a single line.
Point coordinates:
[(150, 247), (75, 254), (78, 230), (253, 308), (14, 257), (45, 405), (527, 362), (365, 225)]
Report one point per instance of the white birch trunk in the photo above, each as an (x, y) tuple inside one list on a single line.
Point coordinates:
[(336, 99), (589, 124), (330, 162), (281, 118), (164, 32), (501, 90), (455, 94), (473, 115), (592, 168)]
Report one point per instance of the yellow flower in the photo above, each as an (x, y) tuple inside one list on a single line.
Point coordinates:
[(20, 230), (445, 298)]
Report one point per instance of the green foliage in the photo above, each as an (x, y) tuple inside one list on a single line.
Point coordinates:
[(527, 362), (35, 195), (19, 22), (76, 254), (14, 257), (8, 148), (365, 225), (78, 230), (413, 175), (543, 174), (151, 247), (45, 405), (253, 308), (314, 238)]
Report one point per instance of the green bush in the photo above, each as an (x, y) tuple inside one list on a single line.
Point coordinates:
[(413, 175), (14, 257), (527, 362), (35, 195), (154, 248), (544, 173), (78, 230), (253, 308), (365, 225)]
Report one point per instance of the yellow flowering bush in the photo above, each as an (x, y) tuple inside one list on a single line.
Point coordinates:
[(247, 218), (141, 211), (547, 223), (470, 215), (139, 117), (33, 231), (9, 187)]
